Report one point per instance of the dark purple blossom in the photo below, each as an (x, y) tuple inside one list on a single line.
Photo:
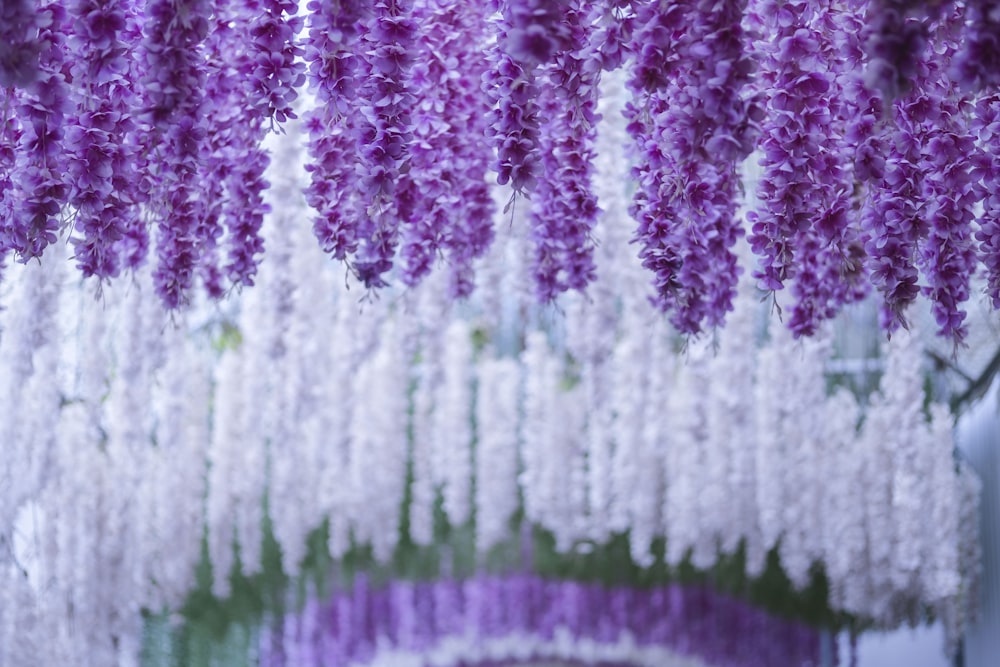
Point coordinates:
[(383, 136), (564, 208), (332, 49), (896, 41), (102, 165), (449, 156), (275, 70), (10, 139), (986, 125), (802, 231), (514, 123), (918, 217), (614, 21), (538, 30), (947, 257), (33, 207), (693, 123), (234, 161), (173, 89)]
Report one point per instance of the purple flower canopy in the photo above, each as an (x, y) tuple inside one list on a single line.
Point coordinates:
[(136, 128)]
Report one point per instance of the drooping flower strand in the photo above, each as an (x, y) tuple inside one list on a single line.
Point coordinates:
[(276, 71), (234, 160), (657, 25), (947, 257), (101, 165), (893, 221), (237, 105), (173, 100), (377, 471), (564, 206), (831, 253), (699, 125), (864, 145), (976, 64), (10, 135), (300, 451), (29, 385), (514, 123), (801, 231), (331, 50), (450, 153), (383, 138), (730, 426), (614, 21), (451, 429), (919, 216), (986, 125), (40, 188)]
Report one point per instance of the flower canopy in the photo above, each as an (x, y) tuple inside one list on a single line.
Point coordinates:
[(135, 128), (493, 232)]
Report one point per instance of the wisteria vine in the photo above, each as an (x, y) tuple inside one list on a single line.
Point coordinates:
[(137, 128)]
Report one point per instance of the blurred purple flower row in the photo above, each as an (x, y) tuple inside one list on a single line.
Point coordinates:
[(355, 624)]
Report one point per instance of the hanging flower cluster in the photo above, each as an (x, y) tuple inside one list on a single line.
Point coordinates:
[(33, 205), (987, 131), (802, 229), (453, 211), (491, 620), (692, 125), (102, 167), (564, 208), (137, 128)]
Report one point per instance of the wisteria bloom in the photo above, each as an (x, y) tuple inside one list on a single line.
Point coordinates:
[(103, 187), (33, 207)]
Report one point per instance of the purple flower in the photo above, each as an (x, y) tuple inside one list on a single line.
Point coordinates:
[(613, 32), (449, 156), (538, 30), (101, 164), (986, 124), (692, 123), (512, 90), (691, 621), (173, 90), (383, 137), (33, 206), (803, 231), (947, 256), (332, 53), (234, 161), (564, 209), (896, 40), (274, 71), (918, 219), (20, 43)]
